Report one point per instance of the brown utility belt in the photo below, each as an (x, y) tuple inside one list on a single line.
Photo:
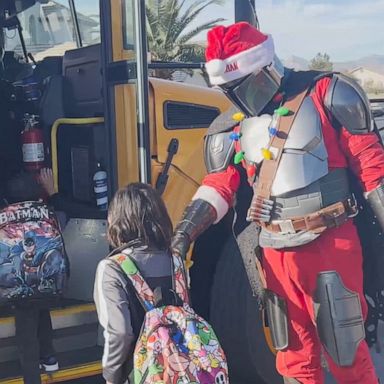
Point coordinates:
[(330, 217)]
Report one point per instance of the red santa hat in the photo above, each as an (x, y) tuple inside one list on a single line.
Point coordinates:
[(236, 51)]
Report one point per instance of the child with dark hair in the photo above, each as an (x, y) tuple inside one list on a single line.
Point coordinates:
[(138, 225)]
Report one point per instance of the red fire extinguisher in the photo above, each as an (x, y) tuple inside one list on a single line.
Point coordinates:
[(32, 141)]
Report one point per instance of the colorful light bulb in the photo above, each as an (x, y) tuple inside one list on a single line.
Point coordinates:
[(235, 136), (239, 157), (251, 170), (272, 131), (267, 154), (282, 111), (238, 116)]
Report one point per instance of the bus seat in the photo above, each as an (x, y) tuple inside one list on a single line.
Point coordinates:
[(73, 87), (52, 100), (83, 82), (77, 93), (48, 66), (51, 105)]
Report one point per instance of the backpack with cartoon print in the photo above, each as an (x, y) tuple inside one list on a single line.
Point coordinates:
[(175, 345), (33, 262)]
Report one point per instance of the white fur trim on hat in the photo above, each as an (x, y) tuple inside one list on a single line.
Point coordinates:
[(241, 64), (210, 195)]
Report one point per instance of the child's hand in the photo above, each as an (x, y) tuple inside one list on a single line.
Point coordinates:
[(46, 181)]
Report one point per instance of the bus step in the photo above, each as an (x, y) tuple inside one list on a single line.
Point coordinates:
[(75, 327), (73, 365)]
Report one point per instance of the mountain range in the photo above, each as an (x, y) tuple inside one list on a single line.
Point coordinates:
[(374, 63)]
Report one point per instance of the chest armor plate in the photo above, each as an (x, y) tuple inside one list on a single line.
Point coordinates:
[(304, 159)]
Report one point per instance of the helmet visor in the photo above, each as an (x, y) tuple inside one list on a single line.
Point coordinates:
[(253, 93)]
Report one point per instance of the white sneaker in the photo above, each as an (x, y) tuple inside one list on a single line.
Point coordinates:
[(49, 364)]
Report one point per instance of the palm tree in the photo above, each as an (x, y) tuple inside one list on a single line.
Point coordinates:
[(170, 31)]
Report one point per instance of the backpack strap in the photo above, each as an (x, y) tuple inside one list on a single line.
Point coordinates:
[(143, 291), (179, 278)]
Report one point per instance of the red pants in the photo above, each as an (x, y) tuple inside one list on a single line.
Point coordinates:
[(292, 274)]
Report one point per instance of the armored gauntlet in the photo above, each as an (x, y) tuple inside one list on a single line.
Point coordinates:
[(197, 217)]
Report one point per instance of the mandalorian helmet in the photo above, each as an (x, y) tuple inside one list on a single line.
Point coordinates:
[(241, 61)]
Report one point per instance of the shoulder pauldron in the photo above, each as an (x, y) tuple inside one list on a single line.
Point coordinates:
[(218, 151), (348, 104)]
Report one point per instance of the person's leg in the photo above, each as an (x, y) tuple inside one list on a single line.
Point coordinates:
[(336, 250), (348, 262), (26, 323), (45, 335), (362, 370), (301, 360)]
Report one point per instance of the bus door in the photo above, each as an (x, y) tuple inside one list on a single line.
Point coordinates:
[(119, 53), (157, 126)]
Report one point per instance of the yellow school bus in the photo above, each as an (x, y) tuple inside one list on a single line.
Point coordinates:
[(90, 88)]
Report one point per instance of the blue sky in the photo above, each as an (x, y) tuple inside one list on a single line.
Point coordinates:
[(345, 29)]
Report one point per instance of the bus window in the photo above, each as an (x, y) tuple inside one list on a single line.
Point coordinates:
[(47, 30), (88, 16), (128, 25)]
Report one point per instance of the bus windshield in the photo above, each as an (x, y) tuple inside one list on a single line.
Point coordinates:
[(49, 28)]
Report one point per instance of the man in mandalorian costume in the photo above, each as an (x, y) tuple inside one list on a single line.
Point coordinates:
[(298, 136)]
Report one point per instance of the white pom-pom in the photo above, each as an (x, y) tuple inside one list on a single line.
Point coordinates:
[(215, 67)]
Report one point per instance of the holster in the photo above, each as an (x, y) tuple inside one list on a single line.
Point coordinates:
[(276, 310), (273, 306)]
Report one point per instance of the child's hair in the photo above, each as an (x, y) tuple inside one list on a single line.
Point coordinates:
[(23, 187), (138, 212)]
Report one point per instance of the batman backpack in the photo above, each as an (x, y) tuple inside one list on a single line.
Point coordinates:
[(33, 262)]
